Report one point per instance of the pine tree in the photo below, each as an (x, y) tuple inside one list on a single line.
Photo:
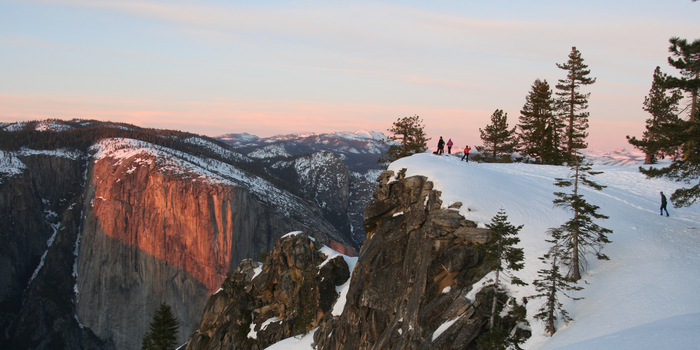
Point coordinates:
[(540, 130), (688, 63), (501, 255), (572, 103), (408, 132), (497, 137), (580, 234), (162, 332), (664, 111), (682, 136), (551, 283)]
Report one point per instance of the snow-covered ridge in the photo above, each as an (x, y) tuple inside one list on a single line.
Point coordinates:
[(198, 169), (225, 153), (359, 135), (11, 165), (51, 125), (370, 176), (14, 126), (271, 151), (651, 278), (306, 168)]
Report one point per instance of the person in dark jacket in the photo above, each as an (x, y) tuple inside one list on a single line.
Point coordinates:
[(441, 146), (466, 153), (663, 204)]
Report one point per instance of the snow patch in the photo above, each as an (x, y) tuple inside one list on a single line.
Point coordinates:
[(15, 126), (299, 342), (268, 322), (52, 125), (291, 234), (443, 327), (256, 272), (270, 151)]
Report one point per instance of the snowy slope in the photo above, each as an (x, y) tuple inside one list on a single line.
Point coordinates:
[(645, 297), (651, 280)]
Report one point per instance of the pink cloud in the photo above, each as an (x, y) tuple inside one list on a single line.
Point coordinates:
[(269, 117)]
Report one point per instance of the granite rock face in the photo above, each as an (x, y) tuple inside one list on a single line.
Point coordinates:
[(413, 274), (152, 234), (260, 305), (92, 245)]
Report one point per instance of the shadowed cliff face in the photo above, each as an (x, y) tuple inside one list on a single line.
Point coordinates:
[(40, 209)]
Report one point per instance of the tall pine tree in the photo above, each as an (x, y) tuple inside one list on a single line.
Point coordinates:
[(162, 332), (551, 283), (408, 132), (580, 234), (664, 112), (540, 130), (501, 255), (572, 103), (497, 138), (683, 136)]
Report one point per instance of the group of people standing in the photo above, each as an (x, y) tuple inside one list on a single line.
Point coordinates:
[(441, 148)]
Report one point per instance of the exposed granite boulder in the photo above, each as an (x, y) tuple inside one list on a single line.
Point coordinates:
[(261, 305), (414, 272)]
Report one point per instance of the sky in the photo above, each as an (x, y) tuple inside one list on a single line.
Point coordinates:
[(279, 67)]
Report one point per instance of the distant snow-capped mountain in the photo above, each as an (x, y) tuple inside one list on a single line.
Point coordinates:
[(348, 160), (359, 148), (620, 156)]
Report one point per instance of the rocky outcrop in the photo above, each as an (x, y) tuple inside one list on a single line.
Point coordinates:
[(261, 305), (412, 277), (408, 289)]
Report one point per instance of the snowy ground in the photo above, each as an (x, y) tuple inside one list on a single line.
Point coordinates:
[(645, 297), (648, 289)]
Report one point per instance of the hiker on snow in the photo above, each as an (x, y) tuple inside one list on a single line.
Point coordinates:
[(663, 204), (466, 153), (441, 146), (449, 146)]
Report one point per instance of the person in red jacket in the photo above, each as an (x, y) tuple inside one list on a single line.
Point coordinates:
[(449, 146), (466, 153)]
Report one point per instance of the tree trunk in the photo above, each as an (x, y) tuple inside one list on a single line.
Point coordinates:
[(495, 299), (552, 298), (694, 103), (576, 271), (570, 135)]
